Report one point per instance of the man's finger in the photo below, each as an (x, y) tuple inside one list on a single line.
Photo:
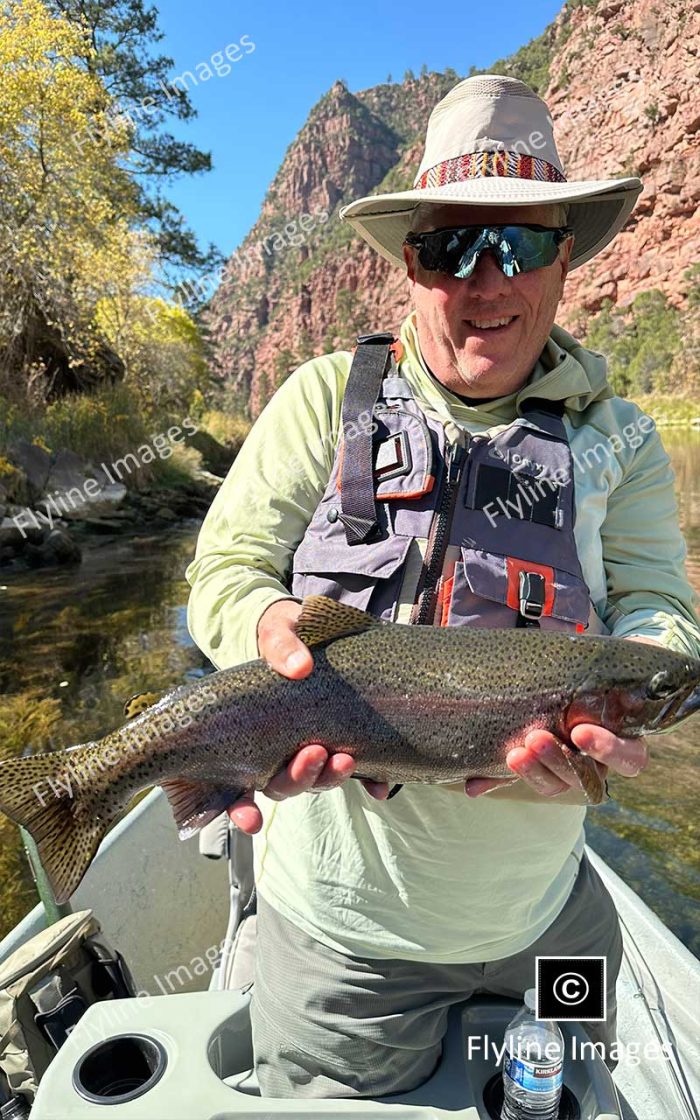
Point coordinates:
[(245, 815), (300, 775), (525, 762), (545, 748), (625, 756), (278, 642), (378, 790), (474, 787), (337, 770)]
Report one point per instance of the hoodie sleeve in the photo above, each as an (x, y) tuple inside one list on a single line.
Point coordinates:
[(644, 555), (244, 551)]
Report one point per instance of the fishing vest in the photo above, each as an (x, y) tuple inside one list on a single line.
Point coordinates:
[(497, 512)]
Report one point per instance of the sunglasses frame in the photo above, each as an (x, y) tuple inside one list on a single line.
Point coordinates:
[(562, 233)]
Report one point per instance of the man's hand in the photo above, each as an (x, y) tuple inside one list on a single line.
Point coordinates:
[(542, 765), (311, 768), (540, 762)]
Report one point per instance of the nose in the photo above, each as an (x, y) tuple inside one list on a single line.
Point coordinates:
[(487, 280)]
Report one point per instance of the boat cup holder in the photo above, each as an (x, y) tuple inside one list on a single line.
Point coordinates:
[(120, 1069), (493, 1099)]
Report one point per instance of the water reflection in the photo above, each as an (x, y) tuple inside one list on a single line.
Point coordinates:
[(75, 644), (650, 834)]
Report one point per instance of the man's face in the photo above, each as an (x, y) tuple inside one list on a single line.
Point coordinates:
[(483, 363)]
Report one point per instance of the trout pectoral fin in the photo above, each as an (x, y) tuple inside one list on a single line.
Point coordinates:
[(323, 620), (195, 804), (594, 784), (139, 702)]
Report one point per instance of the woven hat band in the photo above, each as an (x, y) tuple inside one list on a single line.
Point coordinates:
[(475, 165)]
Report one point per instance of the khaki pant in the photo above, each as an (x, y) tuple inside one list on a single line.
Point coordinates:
[(330, 1025)]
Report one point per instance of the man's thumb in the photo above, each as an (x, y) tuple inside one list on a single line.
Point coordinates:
[(282, 649)]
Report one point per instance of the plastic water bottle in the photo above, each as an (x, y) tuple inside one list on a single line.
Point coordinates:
[(533, 1069)]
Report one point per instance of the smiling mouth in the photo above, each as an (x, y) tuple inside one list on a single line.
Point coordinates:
[(491, 326)]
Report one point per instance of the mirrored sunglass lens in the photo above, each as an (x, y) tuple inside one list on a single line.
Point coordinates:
[(458, 251), (527, 249), (445, 250), (516, 248)]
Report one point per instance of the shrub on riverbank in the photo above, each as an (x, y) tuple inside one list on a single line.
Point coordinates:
[(652, 347), (101, 427), (228, 428), (670, 411)]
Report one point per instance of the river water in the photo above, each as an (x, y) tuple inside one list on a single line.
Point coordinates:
[(76, 643)]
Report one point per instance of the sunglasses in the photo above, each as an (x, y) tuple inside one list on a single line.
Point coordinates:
[(516, 248)]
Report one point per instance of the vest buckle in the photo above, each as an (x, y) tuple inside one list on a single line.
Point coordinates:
[(531, 594)]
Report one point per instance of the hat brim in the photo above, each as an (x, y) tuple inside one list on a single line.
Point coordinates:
[(598, 212)]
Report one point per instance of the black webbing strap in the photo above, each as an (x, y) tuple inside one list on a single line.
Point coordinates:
[(546, 414), (359, 513)]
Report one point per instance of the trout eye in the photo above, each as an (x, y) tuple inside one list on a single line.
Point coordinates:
[(660, 686)]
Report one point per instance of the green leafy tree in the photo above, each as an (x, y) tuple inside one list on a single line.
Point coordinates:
[(640, 343), (692, 275), (119, 51), (285, 363)]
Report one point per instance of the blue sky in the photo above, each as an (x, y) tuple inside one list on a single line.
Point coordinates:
[(248, 118)]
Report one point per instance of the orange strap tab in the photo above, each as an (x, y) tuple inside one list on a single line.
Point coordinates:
[(397, 349), (445, 595)]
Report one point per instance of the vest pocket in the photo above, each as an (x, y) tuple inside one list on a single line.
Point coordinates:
[(403, 456), (486, 588), (350, 574)]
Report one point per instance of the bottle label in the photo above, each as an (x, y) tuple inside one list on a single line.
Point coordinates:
[(536, 1077)]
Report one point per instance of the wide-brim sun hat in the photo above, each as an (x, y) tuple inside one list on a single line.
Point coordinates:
[(490, 142)]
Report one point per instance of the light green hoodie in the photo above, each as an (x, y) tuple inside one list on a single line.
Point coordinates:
[(433, 875)]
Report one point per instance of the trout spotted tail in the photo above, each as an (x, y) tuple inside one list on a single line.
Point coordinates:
[(39, 794)]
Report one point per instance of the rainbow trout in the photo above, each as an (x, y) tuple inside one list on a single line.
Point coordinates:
[(411, 703)]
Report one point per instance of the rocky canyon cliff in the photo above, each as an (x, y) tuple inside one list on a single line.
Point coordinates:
[(622, 81)]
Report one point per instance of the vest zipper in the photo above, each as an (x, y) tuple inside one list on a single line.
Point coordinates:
[(423, 613)]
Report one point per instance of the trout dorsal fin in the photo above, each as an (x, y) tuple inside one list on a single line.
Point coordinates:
[(323, 619), (139, 703)]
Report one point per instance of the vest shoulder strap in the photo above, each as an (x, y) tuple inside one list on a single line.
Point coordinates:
[(369, 365), (548, 415)]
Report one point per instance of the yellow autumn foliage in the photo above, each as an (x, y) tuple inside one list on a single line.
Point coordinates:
[(65, 199), (76, 263), (159, 343)]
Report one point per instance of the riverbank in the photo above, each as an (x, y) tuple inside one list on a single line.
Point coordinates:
[(53, 524), (66, 476)]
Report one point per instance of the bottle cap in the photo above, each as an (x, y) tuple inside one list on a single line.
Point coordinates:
[(531, 999)]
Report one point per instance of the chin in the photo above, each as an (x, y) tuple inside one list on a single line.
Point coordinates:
[(474, 369)]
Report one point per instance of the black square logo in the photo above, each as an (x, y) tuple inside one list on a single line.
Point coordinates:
[(571, 989)]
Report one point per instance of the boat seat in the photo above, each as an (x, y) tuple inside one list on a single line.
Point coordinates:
[(222, 840), (237, 967)]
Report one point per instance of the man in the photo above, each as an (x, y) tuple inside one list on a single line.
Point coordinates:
[(509, 487)]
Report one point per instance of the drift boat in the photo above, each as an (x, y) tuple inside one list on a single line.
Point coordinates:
[(181, 1049)]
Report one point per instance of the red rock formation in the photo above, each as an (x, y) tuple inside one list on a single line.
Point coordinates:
[(623, 93), (624, 100)]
